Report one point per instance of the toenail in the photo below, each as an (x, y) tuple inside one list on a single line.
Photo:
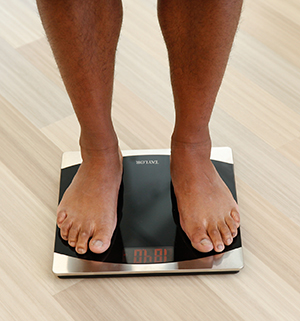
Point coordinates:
[(220, 247), (72, 244), (205, 242), (228, 241), (80, 251), (97, 243)]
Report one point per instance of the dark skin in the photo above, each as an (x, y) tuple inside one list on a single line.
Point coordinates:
[(199, 36)]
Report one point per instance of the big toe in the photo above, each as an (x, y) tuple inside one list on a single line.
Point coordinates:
[(202, 242), (96, 245), (99, 243)]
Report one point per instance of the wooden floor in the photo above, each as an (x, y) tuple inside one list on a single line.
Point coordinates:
[(257, 114)]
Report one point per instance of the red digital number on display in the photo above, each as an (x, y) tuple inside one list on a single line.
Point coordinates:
[(150, 255)]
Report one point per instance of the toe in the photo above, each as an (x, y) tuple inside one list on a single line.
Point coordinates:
[(96, 245), (205, 245), (73, 235), (201, 241), (65, 228), (82, 242), (100, 242), (216, 239), (225, 233), (61, 216), (232, 225), (236, 216)]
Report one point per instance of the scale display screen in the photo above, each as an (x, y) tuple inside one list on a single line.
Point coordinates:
[(148, 231), (136, 255)]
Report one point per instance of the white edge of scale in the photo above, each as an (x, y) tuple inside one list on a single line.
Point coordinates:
[(222, 154)]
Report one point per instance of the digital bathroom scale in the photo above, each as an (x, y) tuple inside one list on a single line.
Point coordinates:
[(148, 238)]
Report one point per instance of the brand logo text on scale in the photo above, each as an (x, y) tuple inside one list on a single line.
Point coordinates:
[(147, 162)]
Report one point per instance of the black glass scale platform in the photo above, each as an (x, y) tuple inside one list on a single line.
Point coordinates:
[(148, 238)]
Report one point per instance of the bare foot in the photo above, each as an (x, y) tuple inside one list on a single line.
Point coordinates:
[(208, 213), (88, 208)]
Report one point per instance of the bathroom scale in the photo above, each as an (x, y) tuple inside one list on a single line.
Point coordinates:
[(148, 238)]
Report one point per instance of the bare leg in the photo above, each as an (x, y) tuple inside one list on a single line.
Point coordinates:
[(83, 36), (199, 36)]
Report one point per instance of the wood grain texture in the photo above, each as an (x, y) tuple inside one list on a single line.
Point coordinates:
[(257, 114)]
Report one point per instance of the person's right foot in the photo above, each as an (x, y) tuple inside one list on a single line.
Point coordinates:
[(88, 209)]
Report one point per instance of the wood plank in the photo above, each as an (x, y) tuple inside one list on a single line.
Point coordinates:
[(29, 90), (19, 22), (257, 114)]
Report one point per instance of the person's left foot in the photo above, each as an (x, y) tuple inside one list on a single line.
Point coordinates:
[(208, 213)]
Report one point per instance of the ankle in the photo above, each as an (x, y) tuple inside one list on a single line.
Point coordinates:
[(98, 140), (187, 139), (98, 147), (191, 145)]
